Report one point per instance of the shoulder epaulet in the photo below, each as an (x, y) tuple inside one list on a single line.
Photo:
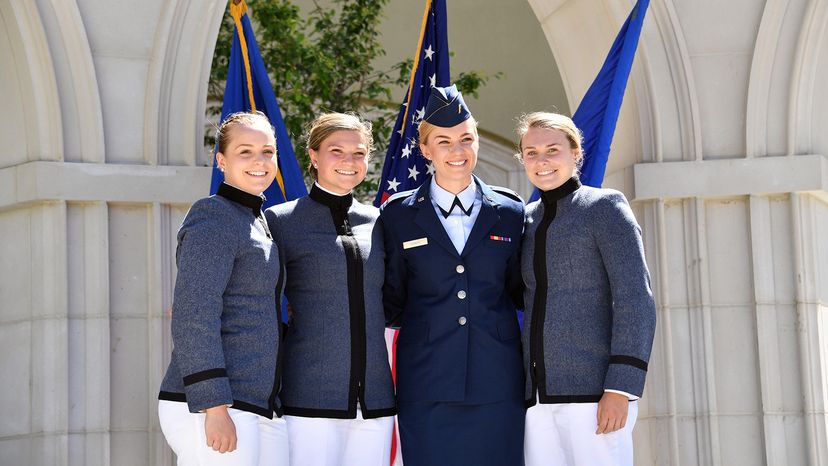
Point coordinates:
[(508, 193), (396, 198)]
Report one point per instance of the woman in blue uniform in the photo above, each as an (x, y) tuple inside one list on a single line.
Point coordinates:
[(589, 315), (220, 391), (337, 390), (452, 283)]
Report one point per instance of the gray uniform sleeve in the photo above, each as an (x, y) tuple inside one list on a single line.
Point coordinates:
[(205, 256), (633, 319)]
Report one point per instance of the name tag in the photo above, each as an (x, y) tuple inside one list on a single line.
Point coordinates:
[(414, 243)]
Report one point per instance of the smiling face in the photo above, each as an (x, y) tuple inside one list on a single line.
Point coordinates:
[(249, 158), (453, 154), (548, 157), (340, 161)]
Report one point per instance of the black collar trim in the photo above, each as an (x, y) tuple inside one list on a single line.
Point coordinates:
[(554, 195), (341, 203), (246, 199)]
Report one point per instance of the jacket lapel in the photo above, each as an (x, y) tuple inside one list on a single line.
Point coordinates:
[(426, 218)]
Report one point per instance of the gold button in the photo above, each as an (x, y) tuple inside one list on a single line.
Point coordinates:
[(461, 294), (460, 268), (462, 320)]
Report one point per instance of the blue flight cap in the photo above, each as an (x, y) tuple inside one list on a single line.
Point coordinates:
[(445, 107)]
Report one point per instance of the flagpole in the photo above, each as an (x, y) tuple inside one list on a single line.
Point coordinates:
[(237, 9), (416, 58)]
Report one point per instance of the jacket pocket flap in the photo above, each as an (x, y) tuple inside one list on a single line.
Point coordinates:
[(414, 332)]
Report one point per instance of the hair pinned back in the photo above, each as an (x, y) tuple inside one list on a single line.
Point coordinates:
[(239, 119)]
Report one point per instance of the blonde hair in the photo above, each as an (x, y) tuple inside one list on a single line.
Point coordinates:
[(328, 123), (239, 119), (425, 129), (548, 120)]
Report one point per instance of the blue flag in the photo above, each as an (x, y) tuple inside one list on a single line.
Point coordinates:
[(597, 114), (405, 168), (248, 88)]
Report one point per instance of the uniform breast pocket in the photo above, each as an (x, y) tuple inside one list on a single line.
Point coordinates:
[(417, 251), (500, 245)]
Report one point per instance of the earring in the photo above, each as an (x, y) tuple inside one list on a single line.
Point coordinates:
[(222, 169)]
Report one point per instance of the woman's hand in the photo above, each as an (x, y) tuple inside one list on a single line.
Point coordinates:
[(612, 412), (220, 430)]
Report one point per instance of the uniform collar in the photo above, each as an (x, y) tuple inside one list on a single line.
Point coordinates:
[(554, 195), (244, 198), (445, 199), (327, 198)]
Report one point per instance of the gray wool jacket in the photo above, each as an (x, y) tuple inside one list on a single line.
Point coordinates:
[(335, 353), (589, 312), (225, 322)]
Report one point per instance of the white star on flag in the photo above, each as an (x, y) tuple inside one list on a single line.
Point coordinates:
[(399, 173), (393, 184), (430, 168)]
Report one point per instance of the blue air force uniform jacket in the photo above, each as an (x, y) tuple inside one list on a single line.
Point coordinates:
[(459, 338), (335, 352), (225, 319), (589, 312)]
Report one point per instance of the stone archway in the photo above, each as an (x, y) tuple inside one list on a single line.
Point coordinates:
[(31, 127)]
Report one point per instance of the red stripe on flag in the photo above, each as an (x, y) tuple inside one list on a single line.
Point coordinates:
[(394, 378)]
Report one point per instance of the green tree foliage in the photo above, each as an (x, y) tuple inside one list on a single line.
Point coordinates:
[(324, 61)]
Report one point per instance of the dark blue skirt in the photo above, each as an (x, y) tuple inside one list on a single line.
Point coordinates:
[(458, 434)]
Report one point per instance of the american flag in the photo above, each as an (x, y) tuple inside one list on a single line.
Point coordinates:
[(404, 167)]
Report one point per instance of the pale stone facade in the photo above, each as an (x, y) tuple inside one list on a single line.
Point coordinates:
[(721, 147)]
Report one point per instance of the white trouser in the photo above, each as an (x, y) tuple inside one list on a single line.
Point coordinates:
[(340, 442), (564, 434), (260, 441)]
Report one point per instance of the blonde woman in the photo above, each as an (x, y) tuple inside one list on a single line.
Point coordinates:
[(452, 285), (337, 391), (219, 395), (589, 311)]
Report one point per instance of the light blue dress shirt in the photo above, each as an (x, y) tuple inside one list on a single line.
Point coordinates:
[(458, 225)]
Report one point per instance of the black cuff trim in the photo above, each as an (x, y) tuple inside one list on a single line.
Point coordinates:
[(561, 399), (251, 408), (337, 413), (170, 396), (204, 375), (629, 361), (240, 405)]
